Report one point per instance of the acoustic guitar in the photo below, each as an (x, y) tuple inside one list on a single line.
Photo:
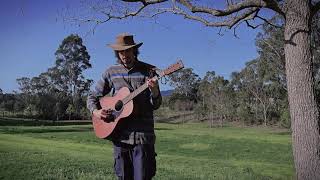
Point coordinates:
[(122, 104)]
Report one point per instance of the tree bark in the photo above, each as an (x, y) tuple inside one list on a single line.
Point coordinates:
[(301, 93), (265, 114)]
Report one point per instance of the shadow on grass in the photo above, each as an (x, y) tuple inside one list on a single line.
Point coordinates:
[(177, 119), (31, 122), (162, 129), (13, 130), (283, 133)]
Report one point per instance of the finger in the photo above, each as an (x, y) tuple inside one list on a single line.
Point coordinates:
[(151, 79), (154, 81), (149, 82), (151, 85), (103, 116), (104, 112)]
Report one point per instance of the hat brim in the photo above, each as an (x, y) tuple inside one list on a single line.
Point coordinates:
[(118, 47)]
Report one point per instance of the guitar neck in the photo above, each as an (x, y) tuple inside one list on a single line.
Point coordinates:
[(169, 70), (136, 92)]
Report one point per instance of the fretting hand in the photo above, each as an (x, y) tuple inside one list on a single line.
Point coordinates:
[(153, 86)]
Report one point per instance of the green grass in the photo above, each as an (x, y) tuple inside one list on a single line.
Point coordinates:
[(189, 151)]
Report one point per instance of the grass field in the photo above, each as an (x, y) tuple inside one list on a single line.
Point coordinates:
[(188, 151)]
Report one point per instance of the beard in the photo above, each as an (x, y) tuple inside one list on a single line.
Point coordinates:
[(128, 62)]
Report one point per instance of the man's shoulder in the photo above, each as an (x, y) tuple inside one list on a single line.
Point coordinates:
[(114, 68), (146, 65)]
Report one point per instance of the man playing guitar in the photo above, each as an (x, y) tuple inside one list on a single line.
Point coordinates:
[(133, 138)]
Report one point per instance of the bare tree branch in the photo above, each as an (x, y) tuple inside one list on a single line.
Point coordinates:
[(252, 7), (219, 33), (268, 22), (228, 23), (234, 31), (252, 26), (146, 2), (110, 16), (235, 12), (274, 5), (232, 8), (265, 20)]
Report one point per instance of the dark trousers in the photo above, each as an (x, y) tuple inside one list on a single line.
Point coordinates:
[(134, 162)]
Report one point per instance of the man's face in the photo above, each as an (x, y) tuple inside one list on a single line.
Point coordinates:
[(127, 56)]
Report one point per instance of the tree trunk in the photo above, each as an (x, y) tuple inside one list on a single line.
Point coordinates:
[(222, 120), (264, 114), (211, 117), (301, 95)]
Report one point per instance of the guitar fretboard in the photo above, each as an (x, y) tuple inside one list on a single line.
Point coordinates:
[(169, 70), (136, 92)]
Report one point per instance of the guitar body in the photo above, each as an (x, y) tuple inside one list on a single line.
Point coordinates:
[(102, 128)]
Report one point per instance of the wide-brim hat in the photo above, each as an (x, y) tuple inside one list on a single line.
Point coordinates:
[(124, 41)]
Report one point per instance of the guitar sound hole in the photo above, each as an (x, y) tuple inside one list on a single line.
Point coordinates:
[(118, 105)]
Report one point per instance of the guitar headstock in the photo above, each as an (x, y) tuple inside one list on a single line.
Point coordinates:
[(172, 68)]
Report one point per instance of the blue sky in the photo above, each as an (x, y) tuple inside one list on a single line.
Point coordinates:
[(31, 31)]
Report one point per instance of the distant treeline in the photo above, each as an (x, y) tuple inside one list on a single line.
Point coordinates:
[(58, 93), (257, 94)]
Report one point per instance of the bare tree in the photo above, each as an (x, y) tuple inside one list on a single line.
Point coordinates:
[(297, 15)]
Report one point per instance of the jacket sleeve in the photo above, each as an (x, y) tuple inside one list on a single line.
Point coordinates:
[(102, 87), (156, 101)]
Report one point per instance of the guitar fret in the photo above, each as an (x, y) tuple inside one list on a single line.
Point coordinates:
[(135, 92)]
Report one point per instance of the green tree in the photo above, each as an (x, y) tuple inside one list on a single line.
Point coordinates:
[(25, 85), (216, 97), (85, 114), (52, 91), (70, 110), (243, 100), (72, 59), (186, 83), (8, 102), (30, 110), (270, 44), (204, 92), (1, 99), (36, 92), (184, 95), (222, 97), (25, 97), (254, 83)]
